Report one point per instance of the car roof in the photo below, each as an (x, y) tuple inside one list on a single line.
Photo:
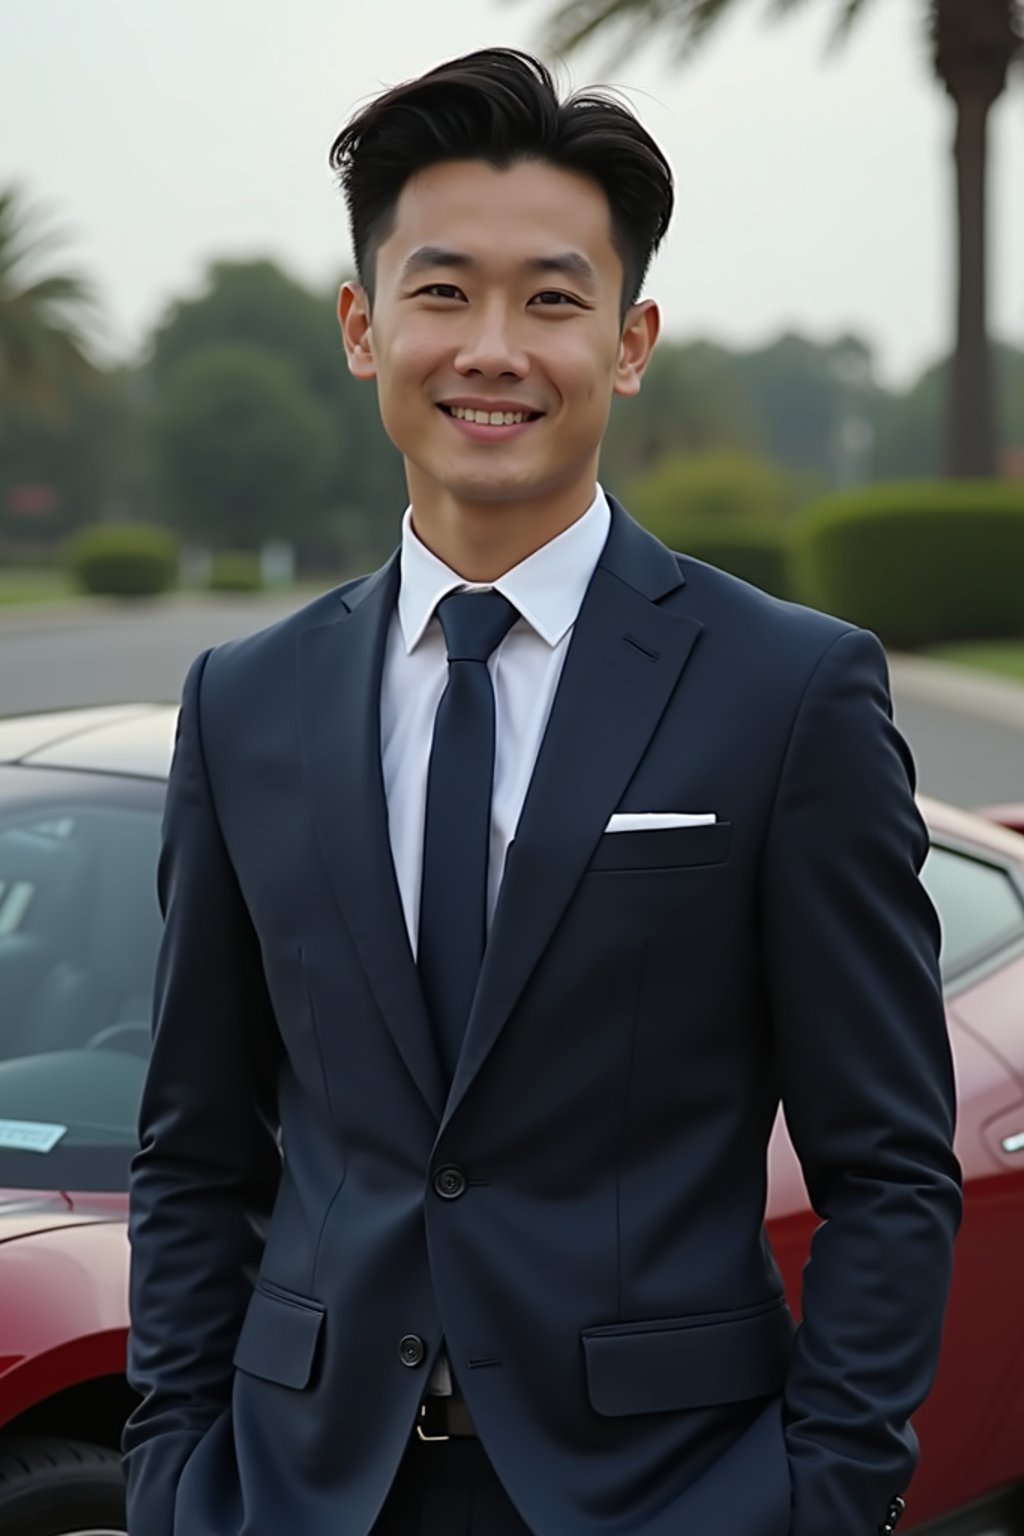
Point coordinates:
[(132, 739), (950, 822)]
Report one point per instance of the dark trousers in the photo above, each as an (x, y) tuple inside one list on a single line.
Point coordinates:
[(448, 1488)]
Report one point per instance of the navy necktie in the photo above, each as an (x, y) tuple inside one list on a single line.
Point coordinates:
[(453, 900)]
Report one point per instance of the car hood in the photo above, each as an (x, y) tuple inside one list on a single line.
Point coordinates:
[(24, 1213)]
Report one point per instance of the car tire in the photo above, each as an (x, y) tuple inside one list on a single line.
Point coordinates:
[(60, 1488)]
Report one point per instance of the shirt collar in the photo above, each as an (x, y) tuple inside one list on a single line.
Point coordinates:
[(547, 587)]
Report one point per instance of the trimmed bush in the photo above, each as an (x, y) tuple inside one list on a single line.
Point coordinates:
[(756, 550), (919, 561), (123, 559), (730, 508), (721, 484), (235, 570)]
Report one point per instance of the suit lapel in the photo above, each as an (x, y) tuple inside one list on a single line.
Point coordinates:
[(340, 665), (624, 660)]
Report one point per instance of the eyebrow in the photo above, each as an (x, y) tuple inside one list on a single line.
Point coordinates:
[(563, 264)]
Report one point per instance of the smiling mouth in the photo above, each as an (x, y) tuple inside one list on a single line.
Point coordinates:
[(490, 418)]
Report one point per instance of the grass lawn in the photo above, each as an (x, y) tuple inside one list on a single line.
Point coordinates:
[(35, 586), (1005, 656)]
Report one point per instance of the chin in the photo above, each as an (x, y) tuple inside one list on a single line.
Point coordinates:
[(496, 485)]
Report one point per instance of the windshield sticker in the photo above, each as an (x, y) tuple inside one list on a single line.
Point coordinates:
[(30, 1135)]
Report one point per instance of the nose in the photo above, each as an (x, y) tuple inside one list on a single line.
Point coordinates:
[(489, 345)]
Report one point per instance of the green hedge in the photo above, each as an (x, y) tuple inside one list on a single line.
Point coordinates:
[(727, 485), (918, 561), (123, 559), (758, 550), (235, 570), (732, 508)]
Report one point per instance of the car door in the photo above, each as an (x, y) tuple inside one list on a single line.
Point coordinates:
[(972, 1427)]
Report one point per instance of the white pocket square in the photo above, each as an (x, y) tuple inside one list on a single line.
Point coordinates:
[(657, 821)]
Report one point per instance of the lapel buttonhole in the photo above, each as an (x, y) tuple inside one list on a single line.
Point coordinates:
[(638, 645)]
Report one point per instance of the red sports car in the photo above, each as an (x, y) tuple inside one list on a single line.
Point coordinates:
[(80, 805)]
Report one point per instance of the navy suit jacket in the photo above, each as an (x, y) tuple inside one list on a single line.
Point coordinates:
[(601, 1277)]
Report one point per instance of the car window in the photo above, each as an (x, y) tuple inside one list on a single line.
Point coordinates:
[(979, 905), (79, 931)]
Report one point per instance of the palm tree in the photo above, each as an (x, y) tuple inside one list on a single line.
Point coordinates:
[(44, 317), (973, 44)]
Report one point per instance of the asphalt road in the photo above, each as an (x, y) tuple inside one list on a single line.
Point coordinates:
[(967, 736), (112, 655), (968, 761)]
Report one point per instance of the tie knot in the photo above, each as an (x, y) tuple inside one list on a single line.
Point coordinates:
[(474, 623)]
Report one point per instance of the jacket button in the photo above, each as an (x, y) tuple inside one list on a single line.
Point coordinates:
[(449, 1183), (411, 1350)]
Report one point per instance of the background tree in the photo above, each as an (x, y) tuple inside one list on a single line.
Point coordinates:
[(973, 45), (809, 406), (44, 315), (693, 399), (244, 446), (93, 462), (256, 303), (911, 423), (809, 400)]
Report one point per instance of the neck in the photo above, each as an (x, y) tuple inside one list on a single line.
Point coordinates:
[(482, 540)]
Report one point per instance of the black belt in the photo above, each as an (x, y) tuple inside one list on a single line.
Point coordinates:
[(444, 1418)]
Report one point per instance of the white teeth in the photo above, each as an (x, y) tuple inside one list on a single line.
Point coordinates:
[(488, 418)]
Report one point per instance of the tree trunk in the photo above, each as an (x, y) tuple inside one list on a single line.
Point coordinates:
[(975, 42), (970, 444)]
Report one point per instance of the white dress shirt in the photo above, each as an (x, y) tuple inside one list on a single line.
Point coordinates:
[(547, 589)]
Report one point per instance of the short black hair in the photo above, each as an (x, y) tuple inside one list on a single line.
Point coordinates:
[(501, 106)]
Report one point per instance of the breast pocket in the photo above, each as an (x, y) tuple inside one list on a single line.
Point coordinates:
[(664, 848)]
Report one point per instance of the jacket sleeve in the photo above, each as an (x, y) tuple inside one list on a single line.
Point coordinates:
[(208, 1165), (851, 955)]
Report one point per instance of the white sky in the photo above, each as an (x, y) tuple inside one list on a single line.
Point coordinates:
[(813, 193)]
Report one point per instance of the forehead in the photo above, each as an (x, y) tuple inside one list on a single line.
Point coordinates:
[(502, 216)]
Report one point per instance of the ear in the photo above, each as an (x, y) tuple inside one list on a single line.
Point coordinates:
[(639, 333), (357, 330)]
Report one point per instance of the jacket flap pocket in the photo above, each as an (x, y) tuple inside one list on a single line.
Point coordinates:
[(663, 847), (688, 1362), (278, 1338)]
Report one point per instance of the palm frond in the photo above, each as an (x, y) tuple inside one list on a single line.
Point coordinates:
[(45, 314), (684, 22), (633, 22), (60, 290), (27, 238), (849, 13), (849, 16)]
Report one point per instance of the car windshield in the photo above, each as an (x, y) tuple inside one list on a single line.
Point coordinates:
[(79, 929)]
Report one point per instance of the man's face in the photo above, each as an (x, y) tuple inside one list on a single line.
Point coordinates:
[(498, 294)]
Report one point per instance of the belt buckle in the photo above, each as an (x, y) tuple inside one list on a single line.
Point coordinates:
[(421, 1432)]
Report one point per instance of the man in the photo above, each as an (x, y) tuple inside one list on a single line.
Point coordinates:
[(507, 890)]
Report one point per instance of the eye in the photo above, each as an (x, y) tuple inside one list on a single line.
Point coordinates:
[(440, 291), (552, 299)]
